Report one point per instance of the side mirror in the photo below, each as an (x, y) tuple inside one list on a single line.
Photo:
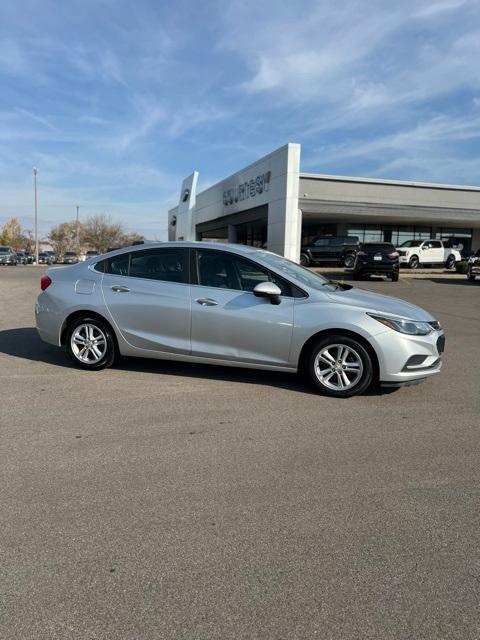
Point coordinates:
[(268, 290)]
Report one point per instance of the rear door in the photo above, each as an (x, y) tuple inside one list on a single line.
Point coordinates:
[(228, 321), (148, 296), (436, 251)]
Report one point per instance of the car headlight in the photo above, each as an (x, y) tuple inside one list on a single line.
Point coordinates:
[(410, 327)]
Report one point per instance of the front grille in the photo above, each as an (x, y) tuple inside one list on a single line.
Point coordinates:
[(441, 344)]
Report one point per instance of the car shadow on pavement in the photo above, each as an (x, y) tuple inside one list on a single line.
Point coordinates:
[(25, 343), (464, 281)]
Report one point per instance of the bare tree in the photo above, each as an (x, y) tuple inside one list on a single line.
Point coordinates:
[(63, 238), (100, 233)]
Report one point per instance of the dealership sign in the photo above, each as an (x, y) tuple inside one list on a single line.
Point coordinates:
[(247, 189)]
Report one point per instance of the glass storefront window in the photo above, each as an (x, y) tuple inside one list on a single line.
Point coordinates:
[(457, 238)]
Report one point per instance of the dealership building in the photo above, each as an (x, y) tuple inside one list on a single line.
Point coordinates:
[(273, 203)]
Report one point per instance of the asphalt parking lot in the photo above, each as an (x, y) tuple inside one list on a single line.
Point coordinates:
[(168, 501)]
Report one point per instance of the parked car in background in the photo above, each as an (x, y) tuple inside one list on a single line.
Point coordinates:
[(8, 256), (29, 257), (52, 255), (21, 257), (70, 257), (376, 258), (241, 307), (44, 258), (416, 253), (91, 254), (339, 250), (473, 269)]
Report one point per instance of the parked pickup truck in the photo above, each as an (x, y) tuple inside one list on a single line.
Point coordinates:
[(416, 253), (340, 250)]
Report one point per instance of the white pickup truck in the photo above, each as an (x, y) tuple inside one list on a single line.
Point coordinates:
[(416, 253)]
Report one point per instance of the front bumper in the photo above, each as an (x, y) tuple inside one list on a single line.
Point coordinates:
[(404, 359), (474, 269)]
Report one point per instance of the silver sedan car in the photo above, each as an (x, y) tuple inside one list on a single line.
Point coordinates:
[(238, 306)]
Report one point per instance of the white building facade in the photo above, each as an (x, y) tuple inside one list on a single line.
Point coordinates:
[(272, 203)]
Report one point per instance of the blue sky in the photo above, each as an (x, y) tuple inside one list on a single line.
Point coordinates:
[(116, 102)]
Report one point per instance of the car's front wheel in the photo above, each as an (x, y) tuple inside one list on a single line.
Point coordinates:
[(305, 260), (90, 344), (340, 366), (349, 261), (414, 262)]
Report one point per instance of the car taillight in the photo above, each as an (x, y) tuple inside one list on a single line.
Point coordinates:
[(362, 254), (45, 282), (393, 254)]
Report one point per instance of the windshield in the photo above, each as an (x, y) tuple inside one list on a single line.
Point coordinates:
[(293, 270), (412, 243), (4, 250)]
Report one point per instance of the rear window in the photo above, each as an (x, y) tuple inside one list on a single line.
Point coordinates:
[(167, 265)]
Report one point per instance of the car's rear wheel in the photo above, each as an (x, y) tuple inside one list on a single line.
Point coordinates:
[(304, 260), (394, 276), (340, 366), (90, 344), (450, 263), (413, 262)]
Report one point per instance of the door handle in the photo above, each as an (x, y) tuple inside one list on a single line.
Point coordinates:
[(118, 289), (206, 302)]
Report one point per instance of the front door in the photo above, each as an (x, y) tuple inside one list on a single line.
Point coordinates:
[(148, 296), (228, 321)]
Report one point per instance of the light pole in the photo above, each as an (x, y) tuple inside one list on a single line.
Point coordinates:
[(35, 170), (78, 225)]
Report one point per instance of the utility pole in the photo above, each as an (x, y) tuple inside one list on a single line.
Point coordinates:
[(35, 170), (78, 225)]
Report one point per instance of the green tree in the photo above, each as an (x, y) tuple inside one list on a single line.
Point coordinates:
[(63, 238)]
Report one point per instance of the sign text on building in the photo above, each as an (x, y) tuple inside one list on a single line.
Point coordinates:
[(247, 189)]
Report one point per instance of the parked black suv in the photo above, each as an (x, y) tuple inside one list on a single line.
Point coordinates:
[(376, 258), (339, 249)]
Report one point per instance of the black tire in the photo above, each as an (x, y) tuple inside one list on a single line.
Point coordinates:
[(102, 328), (394, 277), (450, 263), (471, 276), (414, 262), (357, 352), (349, 261), (305, 260)]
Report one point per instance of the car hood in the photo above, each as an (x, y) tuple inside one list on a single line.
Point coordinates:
[(376, 302)]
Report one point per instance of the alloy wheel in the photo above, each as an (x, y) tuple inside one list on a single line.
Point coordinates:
[(88, 343), (338, 367)]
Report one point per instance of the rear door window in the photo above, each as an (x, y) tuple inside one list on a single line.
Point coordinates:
[(167, 265)]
